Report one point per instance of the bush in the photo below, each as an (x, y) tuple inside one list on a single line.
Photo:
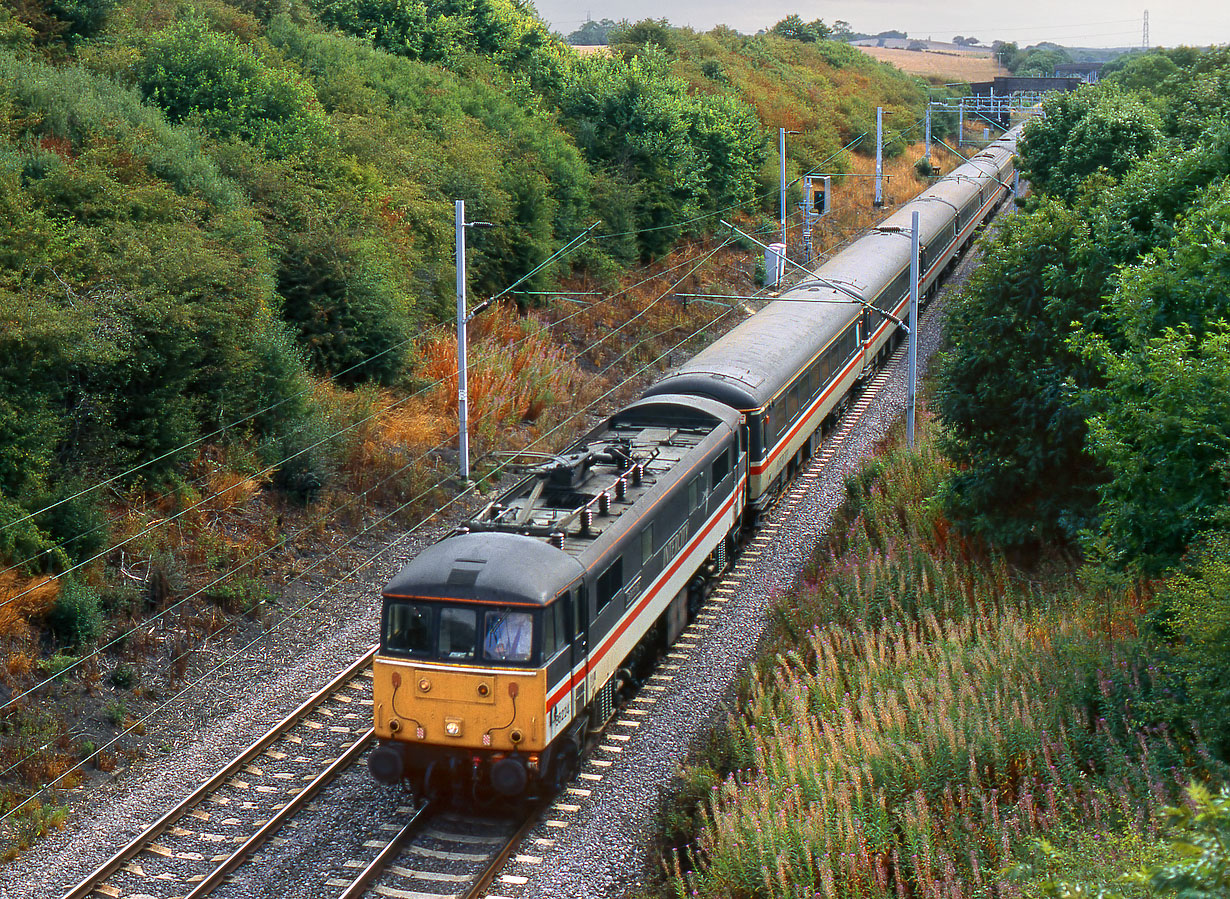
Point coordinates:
[(55, 664), (123, 676), (73, 521), (1193, 617), (1195, 865), (75, 619)]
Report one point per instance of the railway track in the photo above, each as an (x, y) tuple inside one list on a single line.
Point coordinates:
[(206, 835), (438, 854), (219, 828)]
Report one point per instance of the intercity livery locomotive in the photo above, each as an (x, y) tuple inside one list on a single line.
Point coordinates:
[(502, 644)]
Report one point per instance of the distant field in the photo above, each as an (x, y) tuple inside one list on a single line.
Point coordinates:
[(970, 65)]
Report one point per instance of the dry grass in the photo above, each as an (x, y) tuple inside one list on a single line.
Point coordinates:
[(853, 200), (23, 598), (949, 65)]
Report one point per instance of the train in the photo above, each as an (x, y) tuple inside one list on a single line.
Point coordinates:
[(505, 643)]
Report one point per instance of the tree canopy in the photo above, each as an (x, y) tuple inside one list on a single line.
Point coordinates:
[(1094, 413)]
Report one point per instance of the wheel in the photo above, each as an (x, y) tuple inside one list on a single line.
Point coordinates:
[(565, 765)]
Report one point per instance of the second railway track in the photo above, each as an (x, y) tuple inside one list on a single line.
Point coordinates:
[(210, 831)]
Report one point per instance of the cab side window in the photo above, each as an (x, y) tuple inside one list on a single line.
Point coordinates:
[(555, 627)]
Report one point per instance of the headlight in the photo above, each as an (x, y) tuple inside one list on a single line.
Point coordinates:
[(452, 727)]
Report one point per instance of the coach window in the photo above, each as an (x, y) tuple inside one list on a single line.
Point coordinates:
[(610, 582)]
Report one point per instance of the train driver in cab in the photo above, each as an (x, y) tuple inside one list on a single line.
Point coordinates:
[(510, 636)]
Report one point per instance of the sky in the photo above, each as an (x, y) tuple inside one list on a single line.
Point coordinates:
[(1089, 23)]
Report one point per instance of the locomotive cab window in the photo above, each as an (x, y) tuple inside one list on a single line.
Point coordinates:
[(721, 468), (457, 628), (408, 629), (451, 633), (508, 636)]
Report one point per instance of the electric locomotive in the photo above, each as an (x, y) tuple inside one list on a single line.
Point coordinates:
[(501, 644)]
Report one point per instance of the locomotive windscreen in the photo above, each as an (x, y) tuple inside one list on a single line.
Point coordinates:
[(459, 633)]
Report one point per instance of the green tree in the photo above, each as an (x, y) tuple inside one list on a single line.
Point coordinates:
[(1163, 433), (631, 39), (1084, 132), (1142, 72), (199, 75), (1038, 62), (842, 31), (1141, 211), (795, 29), (395, 26), (1183, 284), (1163, 422), (1007, 391), (592, 33)]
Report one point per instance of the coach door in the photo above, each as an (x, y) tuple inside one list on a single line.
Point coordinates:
[(865, 327)]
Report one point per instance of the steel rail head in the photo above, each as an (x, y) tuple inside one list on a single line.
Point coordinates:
[(479, 886), (215, 878), (390, 852), (134, 846)]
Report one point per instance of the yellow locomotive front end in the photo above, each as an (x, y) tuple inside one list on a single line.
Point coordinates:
[(468, 639)]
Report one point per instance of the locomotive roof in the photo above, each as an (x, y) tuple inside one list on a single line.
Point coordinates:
[(536, 538), (494, 568)]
